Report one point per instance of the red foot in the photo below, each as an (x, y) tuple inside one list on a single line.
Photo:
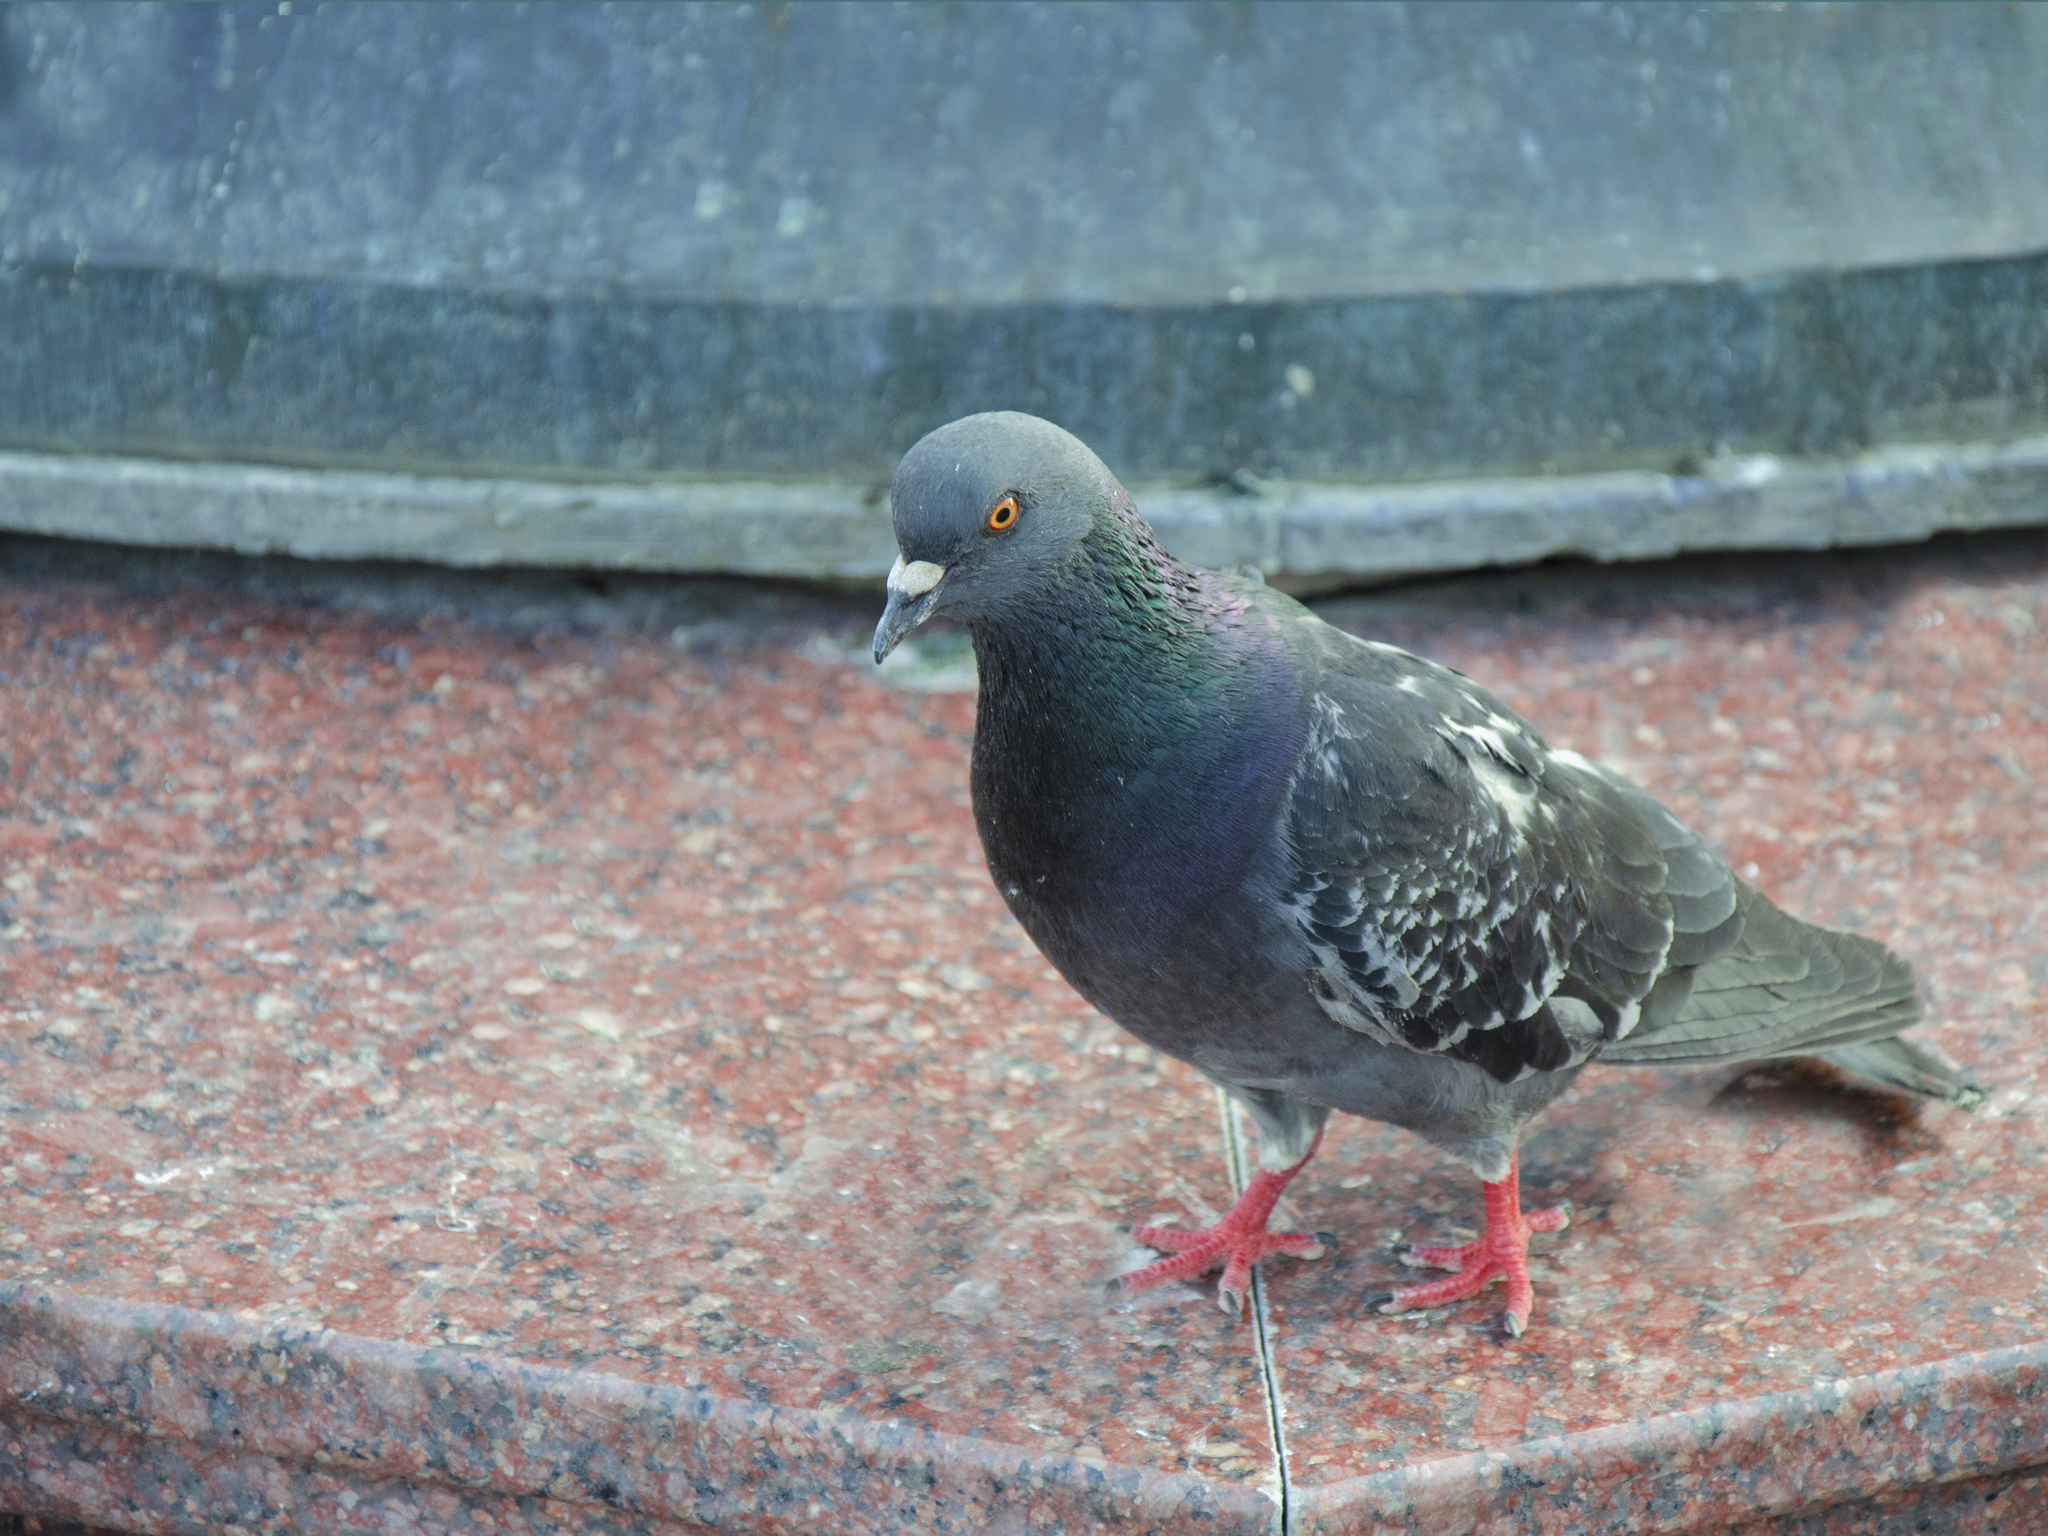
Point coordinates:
[(1501, 1254), (1237, 1242)]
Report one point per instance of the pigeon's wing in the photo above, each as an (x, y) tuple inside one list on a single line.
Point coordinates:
[(1468, 891)]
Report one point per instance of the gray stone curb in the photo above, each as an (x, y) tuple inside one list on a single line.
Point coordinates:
[(1308, 534)]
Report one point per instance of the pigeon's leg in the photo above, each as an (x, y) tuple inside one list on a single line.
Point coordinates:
[(1503, 1253), (1240, 1239)]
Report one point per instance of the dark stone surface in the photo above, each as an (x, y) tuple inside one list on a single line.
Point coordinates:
[(346, 371), (32, 1525)]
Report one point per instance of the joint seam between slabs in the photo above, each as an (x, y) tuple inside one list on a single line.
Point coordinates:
[(1234, 1152)]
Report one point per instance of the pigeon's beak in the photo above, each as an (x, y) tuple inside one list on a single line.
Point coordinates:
[(913, 589)]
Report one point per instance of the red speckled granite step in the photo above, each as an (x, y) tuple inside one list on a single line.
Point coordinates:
[(477, 1062)]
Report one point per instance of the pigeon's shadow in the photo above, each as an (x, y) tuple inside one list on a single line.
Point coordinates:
[(1801, 1088)]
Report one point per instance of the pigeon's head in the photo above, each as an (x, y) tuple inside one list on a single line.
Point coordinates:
[(987, 509)]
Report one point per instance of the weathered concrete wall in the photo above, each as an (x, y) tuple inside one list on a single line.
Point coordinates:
[(1007, 154), (778, 243)]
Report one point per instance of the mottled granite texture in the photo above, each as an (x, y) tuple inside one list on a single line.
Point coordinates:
[(578, 1077)]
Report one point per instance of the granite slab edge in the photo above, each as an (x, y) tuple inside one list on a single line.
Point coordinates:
[(308, 1401), (1706, 1469), (1301, 533)]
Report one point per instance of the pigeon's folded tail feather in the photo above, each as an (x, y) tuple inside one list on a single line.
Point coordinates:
[(1792, 988), (1903, 1065)]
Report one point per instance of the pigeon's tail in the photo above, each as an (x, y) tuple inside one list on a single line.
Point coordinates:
[(1901, 1064), (1784, 987)]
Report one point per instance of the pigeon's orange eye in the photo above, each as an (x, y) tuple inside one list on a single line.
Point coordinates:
[(1002, 517)]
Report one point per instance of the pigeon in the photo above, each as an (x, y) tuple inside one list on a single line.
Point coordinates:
[(1327, 873)]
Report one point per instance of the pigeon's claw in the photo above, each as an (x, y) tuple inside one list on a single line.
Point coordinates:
[(1196, 1253), (1422, 1256), (1237, 1242), (1502, 1254)]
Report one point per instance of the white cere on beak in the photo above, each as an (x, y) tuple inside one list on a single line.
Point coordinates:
[(914, 579)]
